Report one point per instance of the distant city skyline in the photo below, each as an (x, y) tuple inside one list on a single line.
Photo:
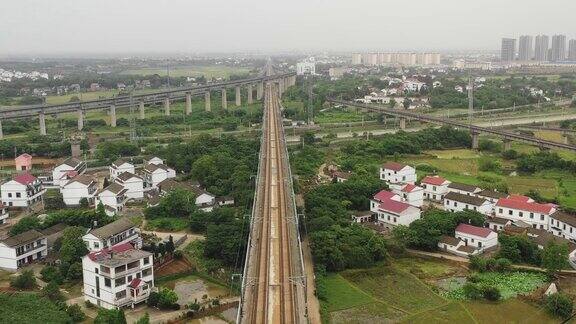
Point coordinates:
[(181, 26), (559, 49)]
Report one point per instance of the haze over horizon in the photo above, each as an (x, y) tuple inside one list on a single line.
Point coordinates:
[(36, 27)]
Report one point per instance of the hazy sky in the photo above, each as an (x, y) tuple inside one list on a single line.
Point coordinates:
[(190, 26)]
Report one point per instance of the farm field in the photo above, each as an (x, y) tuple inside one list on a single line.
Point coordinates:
[(403, 292), (208, 71)]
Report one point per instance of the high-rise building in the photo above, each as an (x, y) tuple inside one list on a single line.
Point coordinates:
[(558, 48), (572, 50), (508, 52), (541, 48), (525, 48)]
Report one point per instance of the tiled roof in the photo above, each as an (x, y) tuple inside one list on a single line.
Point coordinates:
[(25, 178), (112, 229), (72, 162), (433, 180), (120, 161), (23, 238), (527, 206), (498, 220), (135, 282), (520, 198), (473, 230), (114, 188), (25, 156), (564, 217), (449, 240), (467, 199), (393, 206), (466, 248), (384, 195), (410, 188), (462, 186), (492, 194), (125, 176), (83, 179), (395, 166)]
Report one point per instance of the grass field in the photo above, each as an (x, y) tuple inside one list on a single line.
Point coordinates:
[(391, 294), (208, 71)]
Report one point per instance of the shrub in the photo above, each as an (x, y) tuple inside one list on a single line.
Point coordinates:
[(477, 263), (110, 316), (24, 281), (76, 313), (472, 291), (167, 299), (153, 299), (51, 274), (75, 271), (52, 292), (510, 155), (491, 293), (559, 305)]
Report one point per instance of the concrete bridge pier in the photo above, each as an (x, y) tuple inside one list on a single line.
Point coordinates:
[(507, 144), (141, 110), (475, 137), (250, 90), (402, 123), (207, 101), (167, 106), (224, 99), (42, 119), (188, 110), (1, 131), (259, 90), (238, 97), (280, 87), (80, 119), (113, 115)]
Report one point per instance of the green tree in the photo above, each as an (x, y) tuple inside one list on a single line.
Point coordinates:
[(51, 274), (52, 292), (84, 203), (25, 224), (555, 257), (73, 247), (110, 316), (167, 299), (25, 280), (76, 314)]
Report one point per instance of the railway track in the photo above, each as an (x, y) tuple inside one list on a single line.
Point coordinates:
[(271, 294)]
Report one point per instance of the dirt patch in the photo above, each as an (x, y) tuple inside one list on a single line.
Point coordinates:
[(176, 266)]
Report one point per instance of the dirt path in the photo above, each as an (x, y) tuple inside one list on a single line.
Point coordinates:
[(313, 303)]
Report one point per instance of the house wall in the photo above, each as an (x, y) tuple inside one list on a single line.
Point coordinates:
[(538, 220), (126, 167), (135, 188), (456, 206), (562, 229), (436, 193), (472, 240), (74, 192), (390, 219), (406, 175)]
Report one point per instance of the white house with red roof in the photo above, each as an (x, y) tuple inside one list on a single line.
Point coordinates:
[(391, 213), (394, 172), (118, 276), (522, 208), (435, 187), (481, 238), (409, 193), (22, 191), (67, 170), (381, 196)]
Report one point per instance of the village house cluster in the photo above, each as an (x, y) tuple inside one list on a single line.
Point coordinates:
[(403, 203)]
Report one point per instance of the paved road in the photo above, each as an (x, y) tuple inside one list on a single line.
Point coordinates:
[(313, 303)]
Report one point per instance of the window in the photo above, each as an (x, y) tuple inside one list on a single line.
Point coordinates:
[(121, 294), (107, 282), (147, 260), (455, 204), (434, 188), (9, 195), (510, 212), (520, 214), (447, 203), (531, 215), (541, 226), (96, 245), (96, 270), (541, 217), (474, 207), (479, 244), (500, 210)]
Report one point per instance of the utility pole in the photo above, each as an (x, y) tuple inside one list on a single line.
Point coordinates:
[(132, 119), (470, 99)]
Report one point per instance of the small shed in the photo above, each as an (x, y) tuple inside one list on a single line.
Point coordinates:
[(23, 162)]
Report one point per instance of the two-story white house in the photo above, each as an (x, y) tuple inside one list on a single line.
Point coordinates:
[(156, 173), (133, 183), (23, 190), (394, 172), (77, 188), (435, 187), (520, 208), (563, 225), (481, 238), (113, 198), (391, 213), (117, 277), (491, 195), (22, 249), (120, 166), (155, 160), (118, 232), (463, 188), (455, 202), (67, 169), (409, 193)]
